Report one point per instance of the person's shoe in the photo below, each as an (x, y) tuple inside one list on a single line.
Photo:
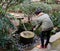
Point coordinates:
[(45, 46), (39, 46)]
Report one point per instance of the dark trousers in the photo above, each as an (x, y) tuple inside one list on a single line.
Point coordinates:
[(43, 35)]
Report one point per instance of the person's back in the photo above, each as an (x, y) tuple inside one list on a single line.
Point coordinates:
[(46, 22)]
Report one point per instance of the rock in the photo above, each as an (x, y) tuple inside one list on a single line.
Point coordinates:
[(26, 37), (55, 41), (53, 50), (55, 37), (27, 34)]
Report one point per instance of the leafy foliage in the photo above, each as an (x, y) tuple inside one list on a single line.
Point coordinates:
[(28, 9), (5, 25), (8, 3), (44, 6), (56, 18), (1, 10)]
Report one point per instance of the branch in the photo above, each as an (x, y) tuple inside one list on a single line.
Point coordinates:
[(16, 3), (13, 4), (5, 4), (0, 1), (9, 1)]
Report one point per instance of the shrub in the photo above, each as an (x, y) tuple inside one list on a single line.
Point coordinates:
[(56, 19)]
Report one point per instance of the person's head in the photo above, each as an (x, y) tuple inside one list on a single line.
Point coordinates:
[(38, 11)]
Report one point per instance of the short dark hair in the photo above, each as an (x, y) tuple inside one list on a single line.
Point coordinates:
[(38, 10)]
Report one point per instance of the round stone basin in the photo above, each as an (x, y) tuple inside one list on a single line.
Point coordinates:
[(26, 37)]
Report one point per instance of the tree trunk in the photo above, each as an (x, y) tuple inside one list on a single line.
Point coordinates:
[(29, 18)]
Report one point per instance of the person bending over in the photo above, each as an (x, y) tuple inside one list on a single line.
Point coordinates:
[(43, 20)]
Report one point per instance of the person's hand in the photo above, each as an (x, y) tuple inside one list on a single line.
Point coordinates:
[(34, 29)]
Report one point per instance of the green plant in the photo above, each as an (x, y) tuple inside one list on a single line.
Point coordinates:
[(44, 6), (9, 3), (6, 26), (56, 19)]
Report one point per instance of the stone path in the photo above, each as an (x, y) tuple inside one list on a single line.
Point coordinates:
[(47, 49)]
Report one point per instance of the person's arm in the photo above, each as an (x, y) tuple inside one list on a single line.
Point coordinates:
[(35, 27), (36, 24)]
